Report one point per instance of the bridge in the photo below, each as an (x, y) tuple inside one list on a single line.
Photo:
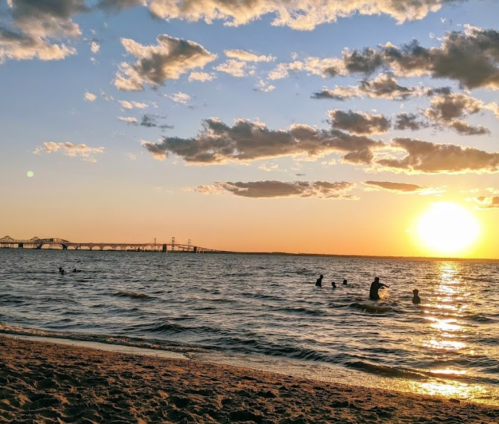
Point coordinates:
[(58, 243)]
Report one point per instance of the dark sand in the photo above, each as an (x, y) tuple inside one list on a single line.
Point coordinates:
[(50, 383)]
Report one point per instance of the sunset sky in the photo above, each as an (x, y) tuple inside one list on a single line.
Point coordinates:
[(251, 125)]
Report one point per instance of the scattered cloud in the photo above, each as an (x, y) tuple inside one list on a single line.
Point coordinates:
[(264, 87), (359, 122), (151, 121), (201, 76), (89, 97), (180, 97), (128, 119), (408, 121), (272, 189), (169, 59), (248, 141), (302, 15), (245, 56), (71, 150), (487, 202), (236, 68), (130, 105), (94, 47), (423, 157), (402, 188), (311, 65)]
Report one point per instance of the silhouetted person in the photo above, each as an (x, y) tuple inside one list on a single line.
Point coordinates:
[(76, 270), (345, 282), (318, 283), (375, 286), (416, 299), (333, 284), (61, 270)]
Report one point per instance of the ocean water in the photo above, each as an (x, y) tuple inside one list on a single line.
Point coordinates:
[(264, 311)]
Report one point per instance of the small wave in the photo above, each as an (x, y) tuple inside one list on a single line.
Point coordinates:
[(301, 311), (372, 309), (478, 318), (387, 371), (133, 295)]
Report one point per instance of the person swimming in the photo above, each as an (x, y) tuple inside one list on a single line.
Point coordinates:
[(345, 282), (61, 270), (333, 284), (318, 283), (375, 286), (416, 299)]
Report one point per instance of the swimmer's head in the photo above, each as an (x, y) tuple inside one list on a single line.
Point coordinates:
[(376, 279), (415, 292)]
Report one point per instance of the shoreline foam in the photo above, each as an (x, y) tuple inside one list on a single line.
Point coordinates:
[(54, 383)]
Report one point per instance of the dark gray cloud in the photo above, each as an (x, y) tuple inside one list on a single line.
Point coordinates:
[(382, 87), (470, 57), (169, 59), (487, 202), (359, 122), (151, 121), (447, 111), (408, 121), (269, 189), (397, 187), (248, 141), (423, 157)]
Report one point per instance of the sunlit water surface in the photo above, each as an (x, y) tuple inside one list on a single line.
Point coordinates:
[(264, 312)]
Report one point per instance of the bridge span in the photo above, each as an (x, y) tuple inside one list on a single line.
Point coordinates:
[(58, 243)]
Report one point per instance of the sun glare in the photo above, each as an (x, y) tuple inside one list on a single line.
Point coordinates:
[(447, 228)]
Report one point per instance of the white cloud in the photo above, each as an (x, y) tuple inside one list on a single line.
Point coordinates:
[(95, 47), (236, 68), (180, 97), (201, 76), (89, 97), (245, 56), (71, 150), (128, 119)]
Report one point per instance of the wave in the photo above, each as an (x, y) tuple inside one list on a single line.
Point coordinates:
[(372, 309), (133, 295), (386, 371), (301, 311)]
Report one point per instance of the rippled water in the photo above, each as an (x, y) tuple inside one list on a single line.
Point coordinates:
[(267, 308)]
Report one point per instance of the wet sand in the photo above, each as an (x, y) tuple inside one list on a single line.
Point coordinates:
[(50, 383)]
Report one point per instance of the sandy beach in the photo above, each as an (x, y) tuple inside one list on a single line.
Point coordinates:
[(51, 383)]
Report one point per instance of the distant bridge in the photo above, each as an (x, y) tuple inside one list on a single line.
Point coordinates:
[(58, 243)]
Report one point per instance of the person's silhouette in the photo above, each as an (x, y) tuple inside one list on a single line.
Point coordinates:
[(345, 282), (375, 286), (318, 283), (333, 284), (416, 299)]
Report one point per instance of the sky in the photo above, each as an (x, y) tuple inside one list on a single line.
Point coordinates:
[(302, 126)]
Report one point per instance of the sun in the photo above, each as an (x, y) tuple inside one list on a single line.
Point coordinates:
[(448, 228)]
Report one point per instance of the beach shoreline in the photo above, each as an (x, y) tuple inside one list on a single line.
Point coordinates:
[(44, 382)]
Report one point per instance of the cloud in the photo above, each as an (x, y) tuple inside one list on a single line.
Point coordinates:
[(248, 141), (236, 68), (448, 109), (382, 87), (359, 122), (271, 189), (264, 87), (487, 202), (402, 188), (89, 97), (130, 105), (302, 15), (311, 65), (71, 150), (169, 59), (150, 121), (180, 97), (247, 56), (47, 18), (423, 157), (128, 119), (201, 76), (18, 46), (408, 121), (95, 47), (470, 58)]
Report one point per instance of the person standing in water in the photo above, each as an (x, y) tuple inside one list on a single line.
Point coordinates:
[(416, 299), (318, 283), (333, 284), (375, 286), (345, 282)]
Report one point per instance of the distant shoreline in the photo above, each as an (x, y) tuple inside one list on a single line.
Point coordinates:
[(327, 255)]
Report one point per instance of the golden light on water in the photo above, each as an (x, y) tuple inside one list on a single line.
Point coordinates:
[(448, 228)]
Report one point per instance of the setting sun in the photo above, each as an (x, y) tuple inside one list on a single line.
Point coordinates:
[(448, 228)]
